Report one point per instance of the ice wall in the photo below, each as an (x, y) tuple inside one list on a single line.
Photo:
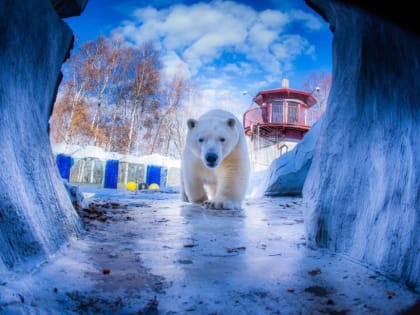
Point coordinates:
[(36, 215), (363, 188)]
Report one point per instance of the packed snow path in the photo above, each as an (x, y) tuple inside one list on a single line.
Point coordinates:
[(150, 253)]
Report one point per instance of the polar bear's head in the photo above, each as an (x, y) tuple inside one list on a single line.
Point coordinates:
[(212, 139)]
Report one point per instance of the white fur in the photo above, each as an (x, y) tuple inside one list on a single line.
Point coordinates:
[(214, 172)]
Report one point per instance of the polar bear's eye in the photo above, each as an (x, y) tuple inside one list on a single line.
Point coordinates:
[(222, 139), (200, 140)]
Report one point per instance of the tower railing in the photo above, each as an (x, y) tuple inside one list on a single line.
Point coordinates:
[(280, 113)]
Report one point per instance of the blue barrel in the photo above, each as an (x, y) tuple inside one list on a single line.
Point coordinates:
[(64, 163), (111, 174), (153, 174)]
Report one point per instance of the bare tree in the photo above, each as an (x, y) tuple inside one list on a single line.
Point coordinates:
[(126, 80), (178, 96), (172, 95), (142, 87), (71, 112), (91, 69), (70, 97), (101, 58), (319, 84)]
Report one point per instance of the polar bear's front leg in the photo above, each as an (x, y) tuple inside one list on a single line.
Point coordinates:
[(194, 191), (184, 196), (231, 189)]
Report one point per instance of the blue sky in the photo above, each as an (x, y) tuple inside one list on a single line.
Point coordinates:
[(226, 47)]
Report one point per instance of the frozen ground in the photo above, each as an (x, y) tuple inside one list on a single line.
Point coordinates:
[(150, 253)]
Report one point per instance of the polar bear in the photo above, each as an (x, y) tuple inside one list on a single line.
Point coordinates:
[(215, 164)]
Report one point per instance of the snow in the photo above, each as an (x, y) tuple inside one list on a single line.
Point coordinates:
[(154, 159), (188, 259), (77, 151), (258, 183)]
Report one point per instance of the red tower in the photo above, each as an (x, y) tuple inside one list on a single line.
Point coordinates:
[(281, 114)]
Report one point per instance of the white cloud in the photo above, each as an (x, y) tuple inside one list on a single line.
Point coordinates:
[(199, 37), (290, 47), (228, 99), (262, 37), (146, 14), (174, 65), (244, 68), (310, 21), (282, 54), (231, 67), (274, 19)]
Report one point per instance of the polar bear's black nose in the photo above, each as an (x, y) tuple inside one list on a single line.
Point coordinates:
[(211, 159)]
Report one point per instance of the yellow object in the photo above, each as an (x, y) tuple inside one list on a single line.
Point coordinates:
[(131, 185), (153, 186)]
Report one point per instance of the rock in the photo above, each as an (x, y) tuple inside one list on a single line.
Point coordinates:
[(288, 172), (68, 8), (362, 190), (36, 213)]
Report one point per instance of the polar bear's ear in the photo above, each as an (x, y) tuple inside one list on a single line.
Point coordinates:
[(191, 123), (231, 122)]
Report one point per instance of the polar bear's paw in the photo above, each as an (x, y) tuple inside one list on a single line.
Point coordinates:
[(221, 205)]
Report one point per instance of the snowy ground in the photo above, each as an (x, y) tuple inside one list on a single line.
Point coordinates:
[(150, 253)]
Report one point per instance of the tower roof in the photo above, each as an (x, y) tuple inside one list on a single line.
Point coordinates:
[(285, 93)]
